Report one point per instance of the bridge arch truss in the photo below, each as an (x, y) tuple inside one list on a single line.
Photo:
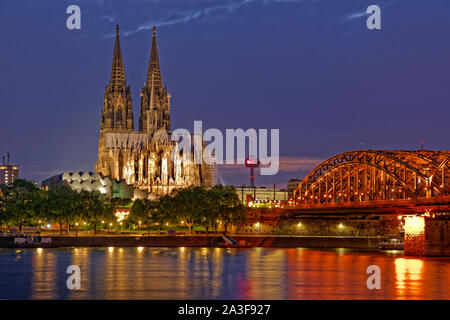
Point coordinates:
[(369, 175)]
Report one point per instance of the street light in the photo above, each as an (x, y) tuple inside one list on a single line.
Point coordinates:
[(76, 229)]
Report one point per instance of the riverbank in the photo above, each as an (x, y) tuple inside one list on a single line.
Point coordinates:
[(197, 241)]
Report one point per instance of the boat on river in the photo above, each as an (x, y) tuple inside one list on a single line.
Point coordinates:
[(391, 244)]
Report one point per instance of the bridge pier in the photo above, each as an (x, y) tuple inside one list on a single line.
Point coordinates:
[(427, 236), (414, 236)]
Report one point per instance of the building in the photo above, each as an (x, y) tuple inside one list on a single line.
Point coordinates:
[(89, 181), (292, 185), (8, 173), (261, 194), (142, 158)]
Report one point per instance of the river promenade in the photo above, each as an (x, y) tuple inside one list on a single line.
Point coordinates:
[(213, 240)]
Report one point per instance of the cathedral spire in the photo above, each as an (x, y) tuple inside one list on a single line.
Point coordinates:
[(155, 100), (153, 68), (117, 70), (117, 113), (150, 119)]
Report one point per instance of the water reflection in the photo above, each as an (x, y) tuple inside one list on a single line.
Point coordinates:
[(219, 273), (44, 274), (409, 276)]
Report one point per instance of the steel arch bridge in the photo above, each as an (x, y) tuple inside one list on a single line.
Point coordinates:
[(368, 175)]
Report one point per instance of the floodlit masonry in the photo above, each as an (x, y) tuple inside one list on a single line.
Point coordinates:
[(142, 158)]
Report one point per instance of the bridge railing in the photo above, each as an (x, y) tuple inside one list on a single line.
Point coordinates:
[(373, 203)]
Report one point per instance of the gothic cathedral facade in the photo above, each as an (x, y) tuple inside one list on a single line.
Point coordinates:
[(142, 158)]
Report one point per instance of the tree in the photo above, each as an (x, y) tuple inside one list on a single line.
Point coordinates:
[(63, 205), (187, 206), (207, 208), (19, 203), (140, 213), (228, 207), (3, 202), (95, 208), (162, 210)]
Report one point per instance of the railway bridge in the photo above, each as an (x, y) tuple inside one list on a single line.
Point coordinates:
[(413, 186), (368, 175)]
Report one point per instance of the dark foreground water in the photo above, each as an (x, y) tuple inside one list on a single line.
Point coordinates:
[(217, 273)]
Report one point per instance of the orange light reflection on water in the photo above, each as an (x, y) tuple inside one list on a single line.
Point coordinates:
[(220, 273), (409, 275)]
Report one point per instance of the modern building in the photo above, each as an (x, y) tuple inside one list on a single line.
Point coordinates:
[(291, 185), (89, 181), (247, 193), (8, 173), (142, 158)]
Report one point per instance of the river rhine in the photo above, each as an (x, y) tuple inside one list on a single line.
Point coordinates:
[(219, 273)]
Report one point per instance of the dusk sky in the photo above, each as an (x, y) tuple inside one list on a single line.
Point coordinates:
[(309, 67)]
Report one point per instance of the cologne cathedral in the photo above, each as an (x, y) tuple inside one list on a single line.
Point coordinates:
[(142, 158)]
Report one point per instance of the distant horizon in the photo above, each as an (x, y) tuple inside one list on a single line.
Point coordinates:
[(238, 169)]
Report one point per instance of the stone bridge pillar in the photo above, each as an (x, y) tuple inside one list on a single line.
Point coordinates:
[(426, 236), (415, 236)]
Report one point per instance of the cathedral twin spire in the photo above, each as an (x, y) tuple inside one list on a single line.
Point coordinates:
[(117, 69), (117, 112), (155, 100), (154, 70)]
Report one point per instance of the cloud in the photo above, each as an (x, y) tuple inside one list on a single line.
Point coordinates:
[(355, 15), (287, 164), (190, 15), (35, 172), (41, 172), (290, 167), (110, 19), (184, 16)]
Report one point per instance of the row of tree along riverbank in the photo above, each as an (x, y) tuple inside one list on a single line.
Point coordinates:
[(24, 205)]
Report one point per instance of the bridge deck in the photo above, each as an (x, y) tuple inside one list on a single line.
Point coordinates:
[(433, 205)]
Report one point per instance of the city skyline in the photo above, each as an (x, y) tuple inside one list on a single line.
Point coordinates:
[(231, 64), (224, 157)]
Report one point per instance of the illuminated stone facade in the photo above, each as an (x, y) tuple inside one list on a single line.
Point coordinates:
[(415, 236), (142, 158)]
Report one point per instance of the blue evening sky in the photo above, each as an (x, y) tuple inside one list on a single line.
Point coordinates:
[(308, 67)]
